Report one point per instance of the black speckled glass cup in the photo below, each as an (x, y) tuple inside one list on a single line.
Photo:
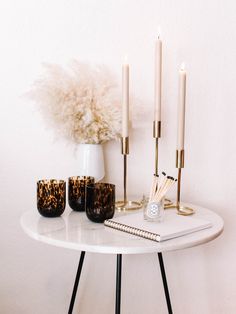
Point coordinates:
[(100, 201), (51, 197), (76, 192)]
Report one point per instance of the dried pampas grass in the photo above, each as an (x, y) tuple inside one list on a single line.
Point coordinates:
[(80, 102)]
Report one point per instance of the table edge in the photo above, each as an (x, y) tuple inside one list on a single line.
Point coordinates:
[(120, 250)]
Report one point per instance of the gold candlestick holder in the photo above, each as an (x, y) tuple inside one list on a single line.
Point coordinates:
[(181, 210), (126, 204), (157, 135)]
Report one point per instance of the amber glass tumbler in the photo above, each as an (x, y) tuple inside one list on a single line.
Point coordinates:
[(51, 197), (76, 192), (100, 201)]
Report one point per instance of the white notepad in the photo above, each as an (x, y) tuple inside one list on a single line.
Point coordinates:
[(173, 226)]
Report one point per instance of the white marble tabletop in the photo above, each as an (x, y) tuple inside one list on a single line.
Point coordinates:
[(73, 230)]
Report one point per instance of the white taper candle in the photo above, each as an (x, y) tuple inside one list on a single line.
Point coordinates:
[(158, 74), (181, 108), (125, 100)]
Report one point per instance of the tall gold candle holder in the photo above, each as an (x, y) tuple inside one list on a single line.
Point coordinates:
[(126, 204), (181, 210), (157, 135)]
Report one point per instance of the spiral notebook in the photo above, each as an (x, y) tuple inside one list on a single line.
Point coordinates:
[(173, 226)]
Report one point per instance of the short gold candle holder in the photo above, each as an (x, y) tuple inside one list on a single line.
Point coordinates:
[(126, 204), (157, 135), (181, 210)]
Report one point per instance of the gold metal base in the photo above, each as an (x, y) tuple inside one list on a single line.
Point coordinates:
[(167, 203), (185, 211), (129, 205), (181, 210)]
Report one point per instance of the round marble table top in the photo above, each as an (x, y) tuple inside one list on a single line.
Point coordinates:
[(73, 230)]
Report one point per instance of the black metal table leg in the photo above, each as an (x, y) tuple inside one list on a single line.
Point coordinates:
[(163, 274), (72, 301), (118, 282)]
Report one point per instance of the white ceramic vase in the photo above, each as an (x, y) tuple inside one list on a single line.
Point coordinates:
[(90, 161)]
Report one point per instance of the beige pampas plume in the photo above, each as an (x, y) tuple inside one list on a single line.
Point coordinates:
[(80, 102)]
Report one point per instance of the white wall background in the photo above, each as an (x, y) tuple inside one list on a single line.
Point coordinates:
[(36, 278)]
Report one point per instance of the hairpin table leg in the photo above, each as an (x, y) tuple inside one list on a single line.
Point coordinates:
[(163, 274), (72, 301), (118, 282)]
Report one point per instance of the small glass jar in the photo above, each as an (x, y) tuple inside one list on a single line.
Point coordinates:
[(76, 191), (100, 201), (154, 211), (51, 197)]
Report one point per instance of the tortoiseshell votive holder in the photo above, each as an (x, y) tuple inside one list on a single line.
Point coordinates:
[(51, 197), (76, 191), (100, 201)]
